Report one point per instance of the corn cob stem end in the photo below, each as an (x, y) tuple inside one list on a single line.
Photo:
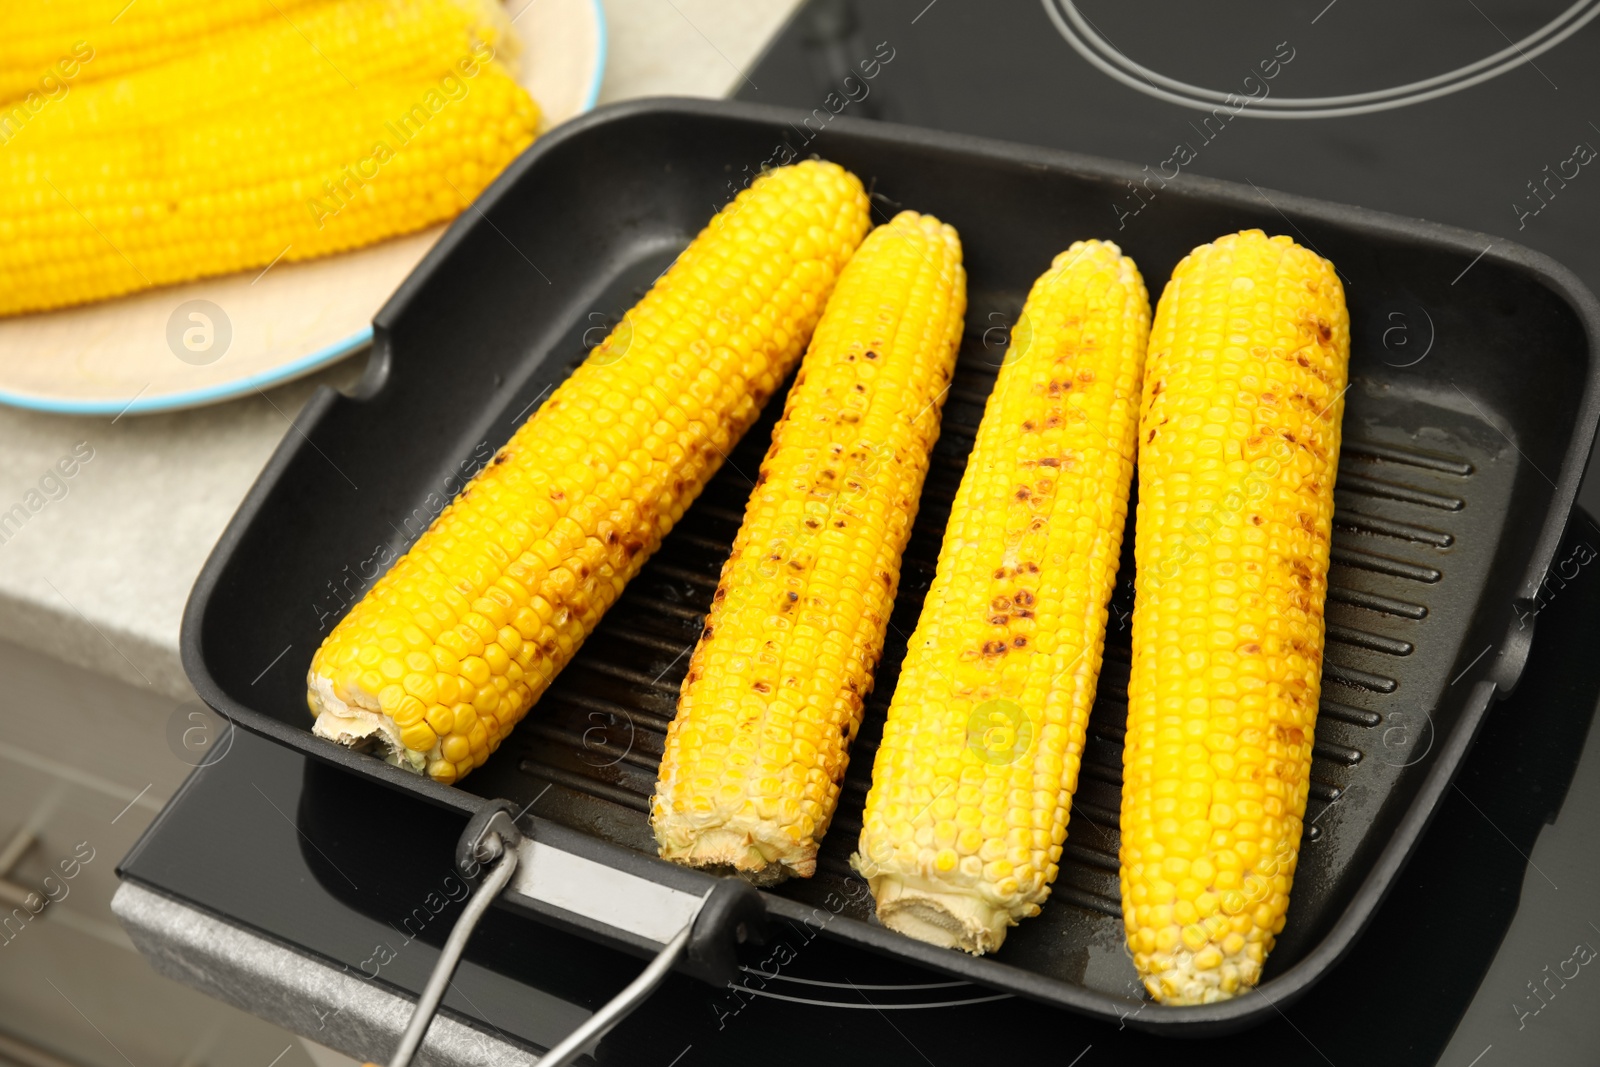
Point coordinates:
[(1204, 977), (357, 727), (727, 850), (940, 917)]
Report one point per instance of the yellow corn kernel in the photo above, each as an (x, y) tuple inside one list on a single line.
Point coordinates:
[(129, 205), (821, 540), (571, 507), (1238, 449), (986, 725)]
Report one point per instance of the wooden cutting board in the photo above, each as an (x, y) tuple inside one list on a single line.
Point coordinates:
[(187, 345)]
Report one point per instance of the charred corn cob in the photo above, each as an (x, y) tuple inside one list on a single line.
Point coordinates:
[(774, 691), (1238, 448), (450, 648), (973, 782), (85, 219), (35, 39), (328, 52)]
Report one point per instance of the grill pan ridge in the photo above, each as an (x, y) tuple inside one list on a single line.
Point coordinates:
[(1456, 479)]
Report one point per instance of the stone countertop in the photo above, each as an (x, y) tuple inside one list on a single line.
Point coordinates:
[(99, 574)]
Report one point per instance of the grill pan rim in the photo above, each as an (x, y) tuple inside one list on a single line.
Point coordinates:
[(1491, 680)]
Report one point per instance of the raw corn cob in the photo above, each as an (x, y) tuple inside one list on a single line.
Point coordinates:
[(1238, 448), (325, 53), (448, 650), (973, 783), (122, 36), (774, 691), (84, 219)]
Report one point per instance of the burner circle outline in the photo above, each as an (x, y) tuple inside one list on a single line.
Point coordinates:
[(1088, 42)]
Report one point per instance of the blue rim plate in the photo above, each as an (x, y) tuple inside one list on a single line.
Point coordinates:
[(285, 372)]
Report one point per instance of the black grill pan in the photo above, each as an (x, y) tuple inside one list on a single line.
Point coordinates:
[(1458, 473)]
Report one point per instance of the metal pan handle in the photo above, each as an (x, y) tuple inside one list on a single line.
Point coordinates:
[(727, 914), (491, 837)]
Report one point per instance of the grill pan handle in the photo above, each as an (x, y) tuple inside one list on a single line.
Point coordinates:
[(729, 913), (491, 837)]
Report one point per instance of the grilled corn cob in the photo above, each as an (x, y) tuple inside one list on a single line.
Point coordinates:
[(450, 648), (120, 35), (328, 53), (85, 219), (1238, 448), (973, 784), (774, 691)]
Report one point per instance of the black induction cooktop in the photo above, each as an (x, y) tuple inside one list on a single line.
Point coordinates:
[(1482, 954)]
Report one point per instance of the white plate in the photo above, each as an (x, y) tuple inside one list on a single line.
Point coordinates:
[(114, 357)]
